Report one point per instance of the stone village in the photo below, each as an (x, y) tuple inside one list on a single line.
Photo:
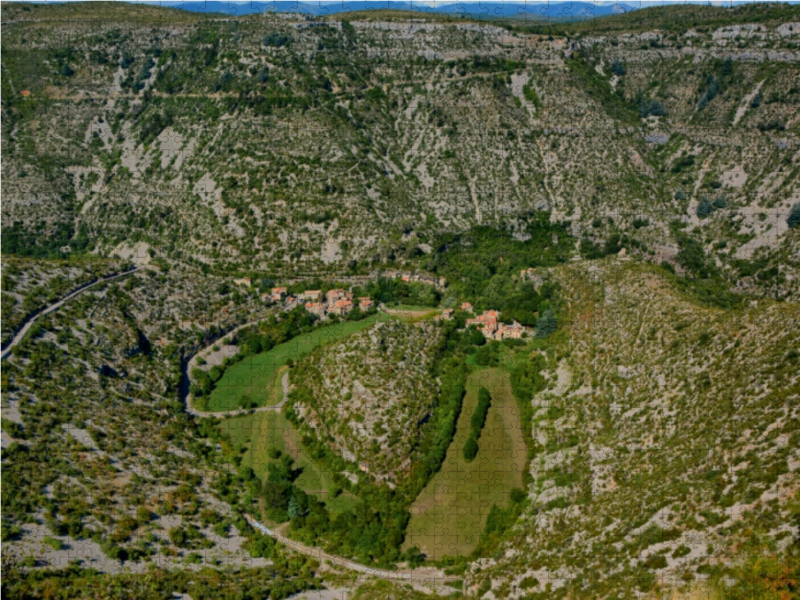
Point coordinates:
[(341, 302)]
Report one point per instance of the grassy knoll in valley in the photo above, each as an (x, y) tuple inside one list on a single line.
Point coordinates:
[(259, 376)]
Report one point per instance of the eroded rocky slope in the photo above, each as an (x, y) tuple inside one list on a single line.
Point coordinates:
[(666, 438), (268, 141), (368, 395)]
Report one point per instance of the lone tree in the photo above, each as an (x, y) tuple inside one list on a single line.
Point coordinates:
[(546, 325), (294, 509)]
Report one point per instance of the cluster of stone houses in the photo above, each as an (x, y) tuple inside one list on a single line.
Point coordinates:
[(489, 324), (334, 302), (340, 302), (493, 329)]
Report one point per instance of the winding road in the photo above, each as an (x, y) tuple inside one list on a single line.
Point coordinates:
[(419, 575), (422, 574), (20, 335)]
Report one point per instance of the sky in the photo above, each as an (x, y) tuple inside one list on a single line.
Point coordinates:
[(636, 3)]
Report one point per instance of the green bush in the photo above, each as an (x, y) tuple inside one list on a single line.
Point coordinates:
[(481, 410), (531, 95), (487, 356), (13, 429), (276, 39), (470, 448), (557, 503), (704, 208), (9, 532), (54, 543), (477, 338), (684, 162), (793, 219), (261, 546), (222, 528), (656, 562), (681, 551), (216, 373), (546, 325), (517, 495)]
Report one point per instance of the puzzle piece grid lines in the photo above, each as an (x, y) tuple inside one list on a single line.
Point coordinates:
[(171, 154)]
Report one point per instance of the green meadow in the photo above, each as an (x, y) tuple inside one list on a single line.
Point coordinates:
[(259, 376), (449, 515), (412, 314), (252, 436)]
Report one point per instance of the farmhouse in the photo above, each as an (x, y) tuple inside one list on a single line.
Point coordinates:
[(513, 331), (489, 317), (333, 295)]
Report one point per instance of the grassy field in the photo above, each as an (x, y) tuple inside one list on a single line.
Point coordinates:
[(275, 391), (253, 436), (257, 376), (448, 516), (412, 314)]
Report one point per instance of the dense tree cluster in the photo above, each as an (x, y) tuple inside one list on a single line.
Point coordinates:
[(477, 421)]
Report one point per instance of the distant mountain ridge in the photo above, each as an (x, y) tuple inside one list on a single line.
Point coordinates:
[(543, 10)]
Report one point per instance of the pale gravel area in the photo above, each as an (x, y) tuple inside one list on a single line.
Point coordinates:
[(228, 550)]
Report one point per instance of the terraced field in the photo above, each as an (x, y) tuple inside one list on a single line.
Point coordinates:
[(254, 435)]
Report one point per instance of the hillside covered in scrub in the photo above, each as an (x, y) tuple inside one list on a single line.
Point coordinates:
[(661, 126), (369, 393), (646, 454), (664, 442)]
